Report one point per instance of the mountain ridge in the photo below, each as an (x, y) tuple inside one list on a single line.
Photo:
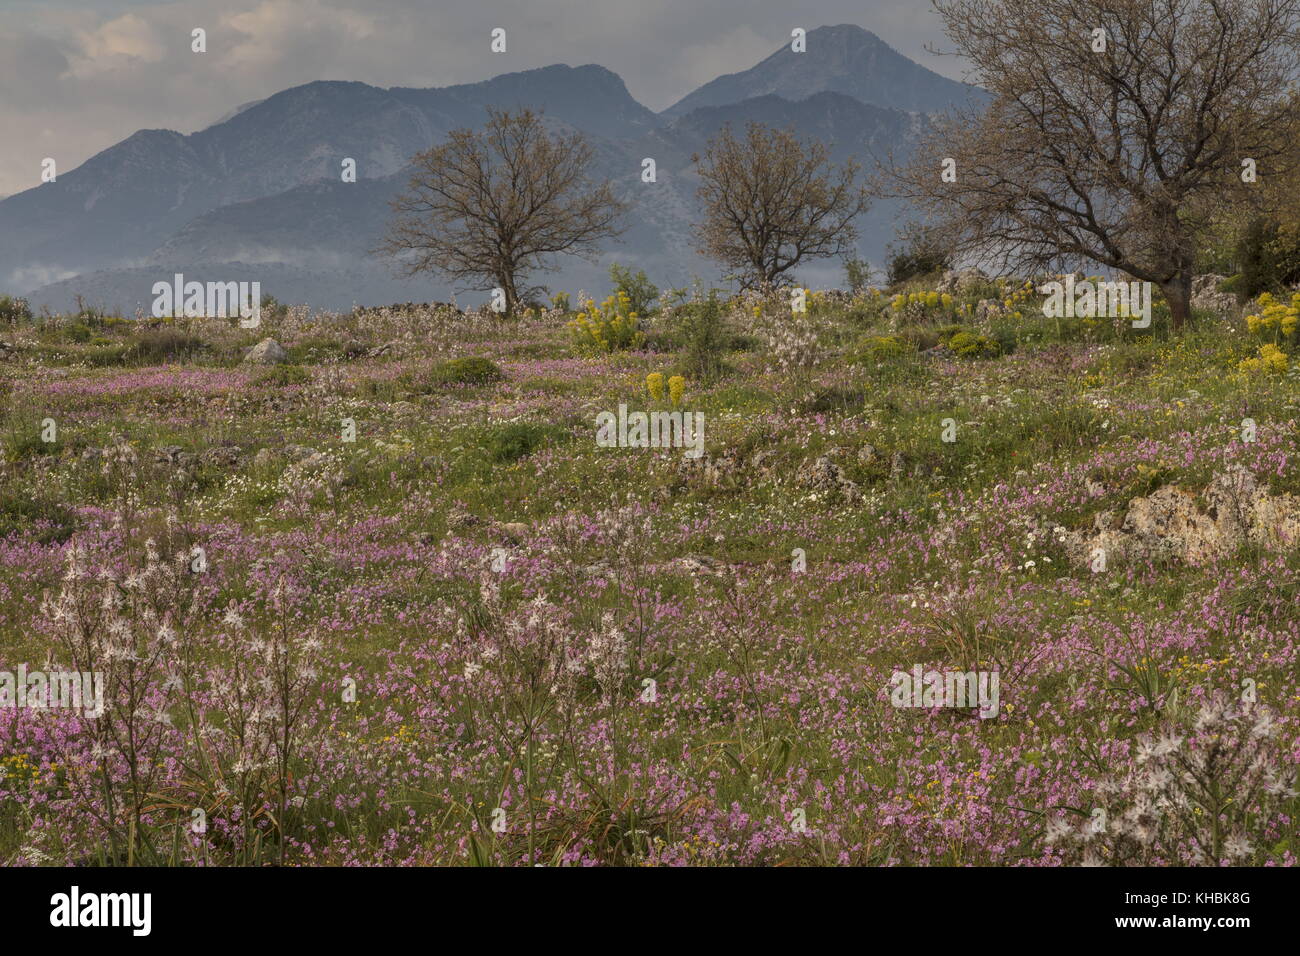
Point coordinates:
[(263, 185)]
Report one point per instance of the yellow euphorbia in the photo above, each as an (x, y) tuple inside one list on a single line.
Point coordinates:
[(1272, 360), (654, 383), (676, 387)]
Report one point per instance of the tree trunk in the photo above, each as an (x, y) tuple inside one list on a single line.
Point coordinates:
[(512, 294), (1178, 293)]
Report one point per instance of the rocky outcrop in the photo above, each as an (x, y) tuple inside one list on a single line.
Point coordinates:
[(1172, 522), (961, 281), (823, 474), (1206, 295)]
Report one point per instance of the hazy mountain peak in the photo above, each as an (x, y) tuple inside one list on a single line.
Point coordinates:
[(839, 59)]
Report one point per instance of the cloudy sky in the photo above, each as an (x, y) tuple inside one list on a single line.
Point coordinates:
[(77, 76)]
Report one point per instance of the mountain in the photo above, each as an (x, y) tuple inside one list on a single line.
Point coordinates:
[(841, 59), (117, 206), (260, 193)]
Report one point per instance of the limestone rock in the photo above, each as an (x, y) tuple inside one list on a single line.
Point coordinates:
[(266, 352), (1171, 523)]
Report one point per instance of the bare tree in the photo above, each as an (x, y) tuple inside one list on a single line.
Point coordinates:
[(1118, 131), (488, 207), (771, 202)]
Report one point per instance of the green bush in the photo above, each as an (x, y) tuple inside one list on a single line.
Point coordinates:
[(13, 311), (881, 348), (316, 349), (470, 370), (106, 356), (640, 291), (916, 259), (51, 521), (1268, 259), (921, 338), (701, 329), (857, 274), (974, 345), (517, 440), (166, 345)]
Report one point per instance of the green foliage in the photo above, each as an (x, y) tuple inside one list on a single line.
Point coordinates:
[(470, 370), (517, 440), (13, 311), (702, 330), (1268, 259), (46, 520), (321, 348), (881, 348), (857, 274), (916, 259), (640, 291), (974, 345), (166, 345), (282, 375)]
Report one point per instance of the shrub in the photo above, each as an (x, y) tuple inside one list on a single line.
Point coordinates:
[(973, 345), (13, 311), (919, 337), (915, 260), (470, 370), (518, 440), (881, 348), (857, 274), (1268, 258), (923, 306), (104, 356), (166, 345), (1275, 317), (272, 309), (47, 520), (613, 327), (676, 388), (640, 291), (654, 383), (702, 331), (1271, 361), (316, 349)]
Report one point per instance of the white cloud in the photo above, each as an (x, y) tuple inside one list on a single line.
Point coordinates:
[(120, 43)]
